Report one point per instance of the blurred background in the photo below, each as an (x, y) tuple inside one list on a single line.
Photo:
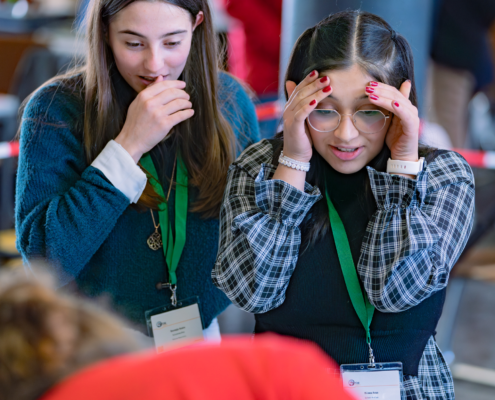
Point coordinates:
[(454, 46)]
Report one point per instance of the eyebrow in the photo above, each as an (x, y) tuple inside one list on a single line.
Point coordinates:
[(129, 32)]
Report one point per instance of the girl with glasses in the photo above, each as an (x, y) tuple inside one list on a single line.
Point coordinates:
[(346, 194)]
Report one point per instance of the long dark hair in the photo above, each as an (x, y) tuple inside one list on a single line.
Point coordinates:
[(336, 43), (206, 141)]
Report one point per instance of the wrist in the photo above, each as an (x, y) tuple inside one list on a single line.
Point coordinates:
[(405, 157), (297, 157), (135, 153)]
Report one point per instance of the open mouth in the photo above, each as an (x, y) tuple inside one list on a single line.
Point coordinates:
[(149, 78), (346, 153)]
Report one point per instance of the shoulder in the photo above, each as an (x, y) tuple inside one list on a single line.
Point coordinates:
[(238, 109), (228, 84), (233, 94), (446, 167), (254, 156), (58, 103)]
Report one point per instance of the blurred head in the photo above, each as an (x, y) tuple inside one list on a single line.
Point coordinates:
[(352, 48), (45, 335)]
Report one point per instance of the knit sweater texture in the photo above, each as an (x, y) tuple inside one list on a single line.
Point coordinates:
[(69, 215)]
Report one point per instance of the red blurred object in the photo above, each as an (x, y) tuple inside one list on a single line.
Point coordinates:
[(266, 111), (262, 21), (265, 368)]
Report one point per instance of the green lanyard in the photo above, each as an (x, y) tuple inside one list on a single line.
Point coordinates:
[(359, 300), (172, 250)]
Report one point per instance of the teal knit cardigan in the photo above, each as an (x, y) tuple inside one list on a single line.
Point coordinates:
[(70, 215)]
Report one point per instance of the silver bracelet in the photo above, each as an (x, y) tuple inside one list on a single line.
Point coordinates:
[(294, 164)]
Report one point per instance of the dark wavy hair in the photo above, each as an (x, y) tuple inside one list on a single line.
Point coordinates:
[(337, 43)]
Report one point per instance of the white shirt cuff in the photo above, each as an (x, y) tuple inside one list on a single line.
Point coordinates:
[(120, 169)]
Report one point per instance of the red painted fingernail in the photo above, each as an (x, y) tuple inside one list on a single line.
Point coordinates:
[(373, 97), (326, 89), (313, 73), (324, 79), (372, 83), (313, 102), (396, 104), (369, 89)]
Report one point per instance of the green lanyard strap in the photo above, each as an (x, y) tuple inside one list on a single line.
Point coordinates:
[(359, 300), (171, 249)]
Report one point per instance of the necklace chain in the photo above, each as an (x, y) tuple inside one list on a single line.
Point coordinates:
[(155, 240)]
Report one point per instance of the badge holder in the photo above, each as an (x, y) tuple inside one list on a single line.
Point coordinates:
[(377, 381), (373, 381), (173, 326)]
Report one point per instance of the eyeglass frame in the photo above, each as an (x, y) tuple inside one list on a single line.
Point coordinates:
[(352, 119)]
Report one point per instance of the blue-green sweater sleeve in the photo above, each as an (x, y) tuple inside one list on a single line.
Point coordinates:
[(239, 110), (65, 209)]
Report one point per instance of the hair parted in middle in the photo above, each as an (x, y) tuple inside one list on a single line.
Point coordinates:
[(338, 42)]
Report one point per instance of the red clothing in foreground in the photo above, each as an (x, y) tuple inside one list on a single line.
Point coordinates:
[(268, 367)]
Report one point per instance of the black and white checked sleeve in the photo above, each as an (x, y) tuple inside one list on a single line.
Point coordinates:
[(259, 232), (418, 232)]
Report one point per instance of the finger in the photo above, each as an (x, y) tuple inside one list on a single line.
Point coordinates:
[(169, 95), (405, 88), (401, 109), (158, 87), (174, 106), (306, 106), (386, 91), (309, 91), (292, 89), (179, 116)]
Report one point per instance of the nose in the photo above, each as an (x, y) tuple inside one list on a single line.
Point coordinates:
[(346, 130), (153, 60)]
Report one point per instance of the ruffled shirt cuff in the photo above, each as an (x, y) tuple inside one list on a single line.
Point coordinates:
[(120, 169), (282, 201), (395, 191)]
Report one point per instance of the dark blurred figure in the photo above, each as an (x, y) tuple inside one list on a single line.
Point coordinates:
[(462, 61)]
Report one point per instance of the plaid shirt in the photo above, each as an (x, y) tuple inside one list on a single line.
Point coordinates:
[(412, 241)]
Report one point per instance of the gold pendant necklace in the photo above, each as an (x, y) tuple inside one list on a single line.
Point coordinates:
[(155, 239)]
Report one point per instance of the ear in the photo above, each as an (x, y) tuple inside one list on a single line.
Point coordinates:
[(290, 86), (199, 19)]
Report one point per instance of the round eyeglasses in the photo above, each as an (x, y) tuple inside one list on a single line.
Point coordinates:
[(367, 121)]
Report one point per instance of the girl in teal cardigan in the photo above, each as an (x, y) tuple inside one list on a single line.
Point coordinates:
[(85, 204)]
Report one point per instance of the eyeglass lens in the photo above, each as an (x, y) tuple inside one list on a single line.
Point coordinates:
[(367, 121)]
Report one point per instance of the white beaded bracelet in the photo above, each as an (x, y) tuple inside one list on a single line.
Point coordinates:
[(294, 164)]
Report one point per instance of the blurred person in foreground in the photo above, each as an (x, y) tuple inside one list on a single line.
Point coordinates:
[(48, 341)]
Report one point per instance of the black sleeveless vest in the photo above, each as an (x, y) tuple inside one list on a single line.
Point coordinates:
[(318, 308)]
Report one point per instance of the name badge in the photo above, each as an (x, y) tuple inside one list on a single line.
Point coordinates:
[(173, 327), (380, 381)]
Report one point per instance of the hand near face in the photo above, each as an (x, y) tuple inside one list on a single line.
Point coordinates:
[(152, 115), (403, 133), (303, 99)]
